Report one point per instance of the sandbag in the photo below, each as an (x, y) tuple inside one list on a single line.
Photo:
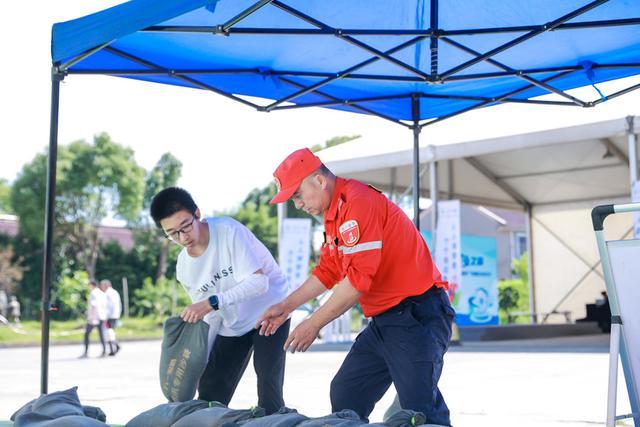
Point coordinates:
[(344, 418), (94, 412), (167, 414), (48, 407), (73, 421), (284, 417), (183, 358), (403, 418), (219, 416)]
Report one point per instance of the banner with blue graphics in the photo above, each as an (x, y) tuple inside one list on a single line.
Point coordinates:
[(476, 298)]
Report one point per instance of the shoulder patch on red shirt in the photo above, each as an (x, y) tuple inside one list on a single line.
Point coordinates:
[(350, 232)]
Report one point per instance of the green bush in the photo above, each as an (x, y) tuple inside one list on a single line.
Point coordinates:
[(513, 294), (161, 299), (70, 295)]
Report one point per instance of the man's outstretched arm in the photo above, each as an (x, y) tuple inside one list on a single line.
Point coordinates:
[(277, 314)]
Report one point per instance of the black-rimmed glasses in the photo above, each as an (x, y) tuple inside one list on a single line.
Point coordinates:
[(174, 236)]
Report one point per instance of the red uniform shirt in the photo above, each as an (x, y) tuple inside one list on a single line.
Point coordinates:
[(373, 243)]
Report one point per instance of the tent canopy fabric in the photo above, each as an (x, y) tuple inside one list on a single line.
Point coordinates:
[(574, 163), (414, 60)]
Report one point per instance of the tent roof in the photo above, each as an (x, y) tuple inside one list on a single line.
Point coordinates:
[(366, 56), (575, 163)]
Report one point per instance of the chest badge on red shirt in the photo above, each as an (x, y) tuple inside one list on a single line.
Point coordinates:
[(350, 232)]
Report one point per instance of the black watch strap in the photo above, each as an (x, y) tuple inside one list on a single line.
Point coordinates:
[(213, 302)]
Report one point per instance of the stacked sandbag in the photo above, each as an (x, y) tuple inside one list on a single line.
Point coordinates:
[(167, 414), (403, 418), (183, 358), (219, 415), (284, 417), (344, 418), (58, 409)]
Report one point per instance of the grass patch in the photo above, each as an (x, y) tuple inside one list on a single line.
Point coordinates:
[(72, 331)]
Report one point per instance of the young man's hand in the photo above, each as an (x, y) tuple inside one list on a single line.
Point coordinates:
[(271, 319), (195, 312)]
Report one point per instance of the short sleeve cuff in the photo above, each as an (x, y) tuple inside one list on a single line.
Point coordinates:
[(324, 279)]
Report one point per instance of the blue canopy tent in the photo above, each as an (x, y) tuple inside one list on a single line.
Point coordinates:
[(412, 62)]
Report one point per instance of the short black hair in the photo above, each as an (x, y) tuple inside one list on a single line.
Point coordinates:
[(169, 201)]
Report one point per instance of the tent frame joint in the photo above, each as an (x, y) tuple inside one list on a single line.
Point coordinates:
[(58, 74), (220, 30)]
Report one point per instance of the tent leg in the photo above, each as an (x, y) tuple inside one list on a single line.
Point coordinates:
[(530, 261), (50, 207), (633, 151), (282, 214), (415, 106), (433, 186)]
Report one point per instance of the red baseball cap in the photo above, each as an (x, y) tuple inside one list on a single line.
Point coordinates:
[(290, 173)]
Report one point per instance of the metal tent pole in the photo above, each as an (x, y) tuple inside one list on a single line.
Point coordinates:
[(433, 186), (282, 214), (530, 273), (415, 108), (632, 141), (50, 207)]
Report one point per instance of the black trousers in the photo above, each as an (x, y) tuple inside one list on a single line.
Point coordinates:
[(87, 331), (229, 359), (404, 345)]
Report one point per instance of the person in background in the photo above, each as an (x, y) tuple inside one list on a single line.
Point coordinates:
[(96, 315), (14, 309), (114, 308)]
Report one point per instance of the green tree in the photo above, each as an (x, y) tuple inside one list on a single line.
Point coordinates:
[(513, 294), (160, 299), (94, 180), (165, 173), (5, 197), (261, 218), (10, 270), (102, 179), (70, 295)]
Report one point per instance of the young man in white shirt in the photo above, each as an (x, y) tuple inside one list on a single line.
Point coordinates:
[(114, 309), (229, 273), (96, 315)]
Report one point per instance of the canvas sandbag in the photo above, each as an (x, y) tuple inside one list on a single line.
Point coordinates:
[(183, 358), (403, 418), (219, 416), (94, 412), (167, 414), (48, 407), (344, 418), (73, 421), (284, 417)]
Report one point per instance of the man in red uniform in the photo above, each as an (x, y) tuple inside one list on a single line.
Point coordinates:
[(374, 255)]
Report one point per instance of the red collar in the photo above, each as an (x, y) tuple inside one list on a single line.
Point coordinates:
[(336, 200)]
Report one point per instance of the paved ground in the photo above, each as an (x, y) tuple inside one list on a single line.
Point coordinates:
[(552, 382)]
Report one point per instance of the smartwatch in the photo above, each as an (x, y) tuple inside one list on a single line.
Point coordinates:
[(213, 301)]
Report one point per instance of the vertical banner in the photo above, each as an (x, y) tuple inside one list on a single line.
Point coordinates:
[(470, 265), (294, 249), (447, 256), (635, 198), (477, 303)]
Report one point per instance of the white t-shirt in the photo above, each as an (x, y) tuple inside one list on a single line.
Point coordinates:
[(114, 306), (232, 255), (97, 310)]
